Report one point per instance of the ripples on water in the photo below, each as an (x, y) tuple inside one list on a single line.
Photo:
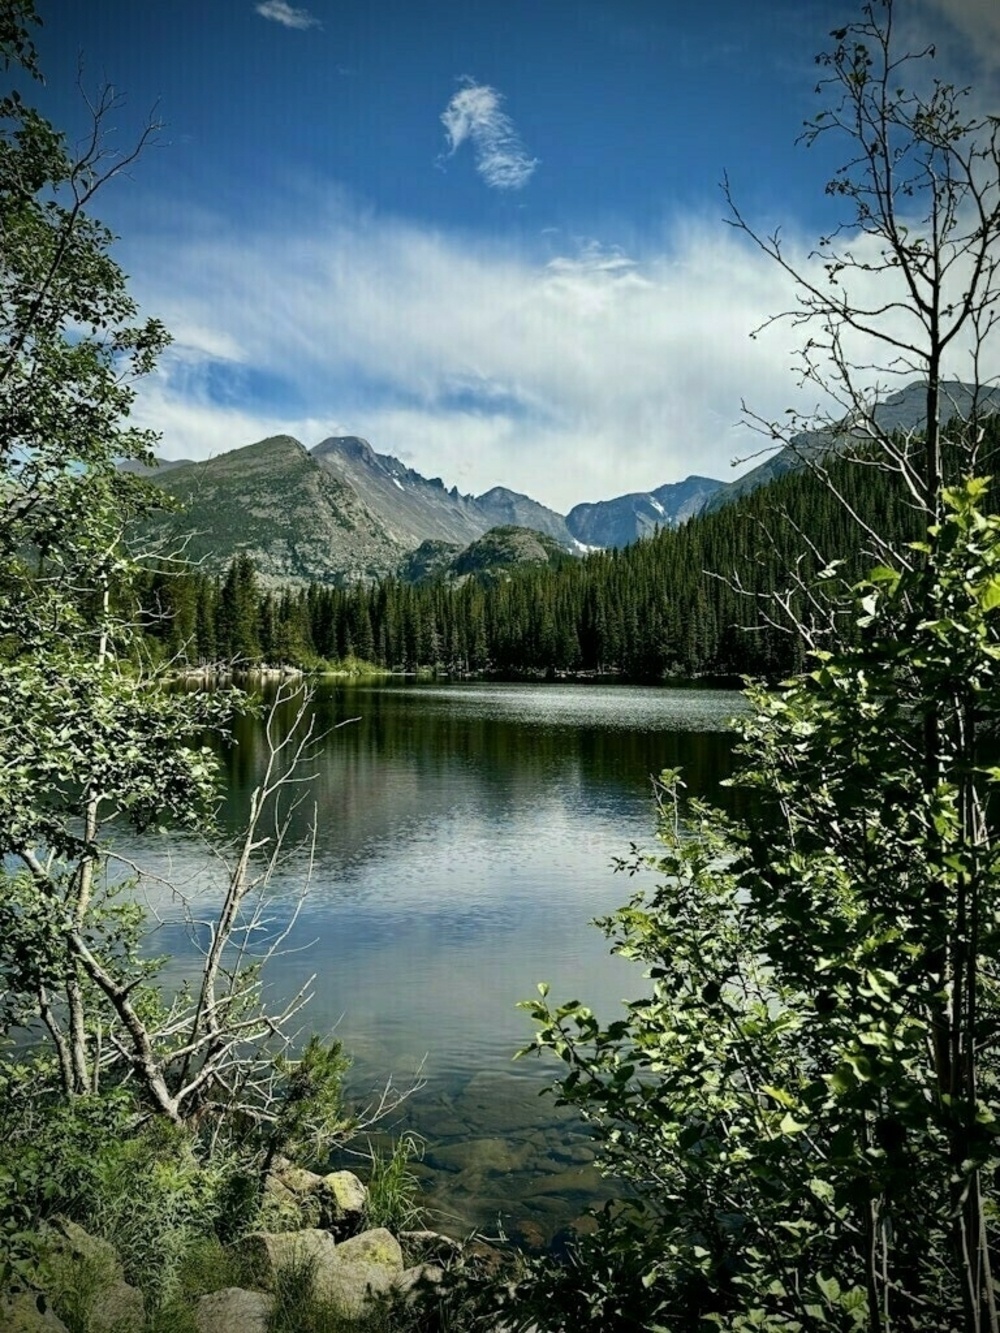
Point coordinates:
[(465, 840)]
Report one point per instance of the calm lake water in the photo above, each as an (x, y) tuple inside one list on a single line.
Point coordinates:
[(465, 841)]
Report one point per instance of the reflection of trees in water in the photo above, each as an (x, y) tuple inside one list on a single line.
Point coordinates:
[(411, 761)]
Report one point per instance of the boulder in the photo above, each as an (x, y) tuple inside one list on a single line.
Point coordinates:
[(267, 1252), (69, 1238), (284, 1210), (347, 1275), (29, 1312), (364, 1266), (233, 1310), (342, 1200), (119, 1308), (89, 1277), (298, 1180)]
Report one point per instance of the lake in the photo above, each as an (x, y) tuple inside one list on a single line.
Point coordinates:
[(465, 839)]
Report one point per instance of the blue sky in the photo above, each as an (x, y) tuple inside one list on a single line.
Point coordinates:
[(485, 235)]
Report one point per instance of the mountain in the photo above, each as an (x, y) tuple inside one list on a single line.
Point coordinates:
[(504, 508), (431, 560), (622, 520), (905, 410), (489, 558), (274, 501), (415, 509)]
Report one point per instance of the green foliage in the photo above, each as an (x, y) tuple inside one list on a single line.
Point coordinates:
[(92, 741), (152, 1191), (157, 1199), (310, 1117), (805, 1104)]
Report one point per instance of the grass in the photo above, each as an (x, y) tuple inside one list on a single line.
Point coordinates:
[(393, 1189)]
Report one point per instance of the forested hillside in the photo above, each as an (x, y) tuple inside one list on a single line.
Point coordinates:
[(686, 602)]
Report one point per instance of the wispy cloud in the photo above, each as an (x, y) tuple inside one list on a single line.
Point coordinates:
[(287, 15), (572, 378), (978, 22), (476, 114)]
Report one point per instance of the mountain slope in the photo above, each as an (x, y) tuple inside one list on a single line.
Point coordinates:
[(489, 558), (415, 509), (501, 507), (904, 410), (273, 500), (622, 520)]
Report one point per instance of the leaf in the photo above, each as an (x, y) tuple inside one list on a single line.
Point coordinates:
[(883, 574), (829, 1288), (789, 1125), (780, 1096)]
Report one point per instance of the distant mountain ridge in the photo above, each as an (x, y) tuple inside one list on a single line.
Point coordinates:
[(417, 509), (905, 410), (342, 512), (626, 518)]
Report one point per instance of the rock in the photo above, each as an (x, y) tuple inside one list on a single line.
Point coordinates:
[(582, 1182), (266, 1252), (347, 1275), (288, 1209), (233, 1310), (342, 1199), (364, 1266), (118, 1309), (500, 1105), (496, 1156), (275, 1188), (577, 1154), (89, 1275), (298, 1180), (430, 1245), (29, 1312), (484, 1258), (69, 1238), (416, 1282), (526, 1234)]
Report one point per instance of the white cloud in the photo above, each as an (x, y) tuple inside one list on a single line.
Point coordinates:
[(287, 15), (475, 113), (978, 22), (572, 378)]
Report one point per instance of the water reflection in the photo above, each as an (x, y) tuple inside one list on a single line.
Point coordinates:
[(465, 837)]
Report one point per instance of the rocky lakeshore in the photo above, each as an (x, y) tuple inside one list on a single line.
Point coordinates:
[(314, 1240)]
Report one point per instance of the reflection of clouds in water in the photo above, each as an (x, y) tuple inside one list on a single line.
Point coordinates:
[(465, 858), (465, 842)]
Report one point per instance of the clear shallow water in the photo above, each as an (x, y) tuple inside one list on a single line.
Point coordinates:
[(465, 840)]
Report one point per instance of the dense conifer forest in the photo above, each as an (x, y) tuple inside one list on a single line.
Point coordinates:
[(697, 600)]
